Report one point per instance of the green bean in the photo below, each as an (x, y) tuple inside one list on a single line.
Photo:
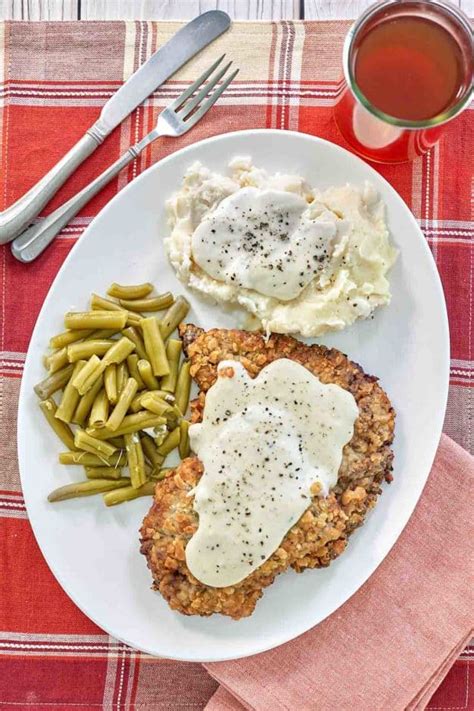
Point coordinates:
[(92, 460), (54, 382), (102, 333), (84, 379), (57, 360), (136, 460), (184, 439), (67, 337), (150, 451), (83, 440), (98, 303), (175, 314), (134, 291), (173, 353), (169, 397), (132, 362), (130, 423), (159, 474), (172, 421), (119, 351), (117, 441), (132, 334), (100, 410), (85, 403), (86, 488), (154, 346), (170, 443), (96, 319), (110, 383), (160, 434), (170, 413), (86, 349), (146, 374), (49, 408), (103, 472), (70, 397), (155, 404), (122, 376), (136, 404), (95, 367), (119, 496), (183, 387), (154, 303), (120, 409)]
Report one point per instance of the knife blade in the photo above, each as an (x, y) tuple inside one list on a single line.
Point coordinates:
[(187, 42)]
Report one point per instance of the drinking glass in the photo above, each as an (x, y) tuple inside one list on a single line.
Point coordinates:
[(379, 136)]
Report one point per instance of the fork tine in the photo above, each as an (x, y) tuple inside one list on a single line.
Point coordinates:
[(210, 101), (196, 100), (191, 89)]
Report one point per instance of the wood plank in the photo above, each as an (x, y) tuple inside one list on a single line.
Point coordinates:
[(334, 9), (350, 9), (39, 9), (185, 10)]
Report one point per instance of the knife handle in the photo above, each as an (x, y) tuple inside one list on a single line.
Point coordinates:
[(31, 243), (19, 215)]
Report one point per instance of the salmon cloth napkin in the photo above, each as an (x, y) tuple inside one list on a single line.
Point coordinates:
[(392, 643)]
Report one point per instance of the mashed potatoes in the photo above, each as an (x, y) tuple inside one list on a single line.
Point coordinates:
[(299, 260)]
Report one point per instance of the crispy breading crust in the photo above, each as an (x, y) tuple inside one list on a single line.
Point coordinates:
[(321, 533)]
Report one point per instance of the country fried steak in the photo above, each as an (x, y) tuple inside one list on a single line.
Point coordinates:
[(322, 533)]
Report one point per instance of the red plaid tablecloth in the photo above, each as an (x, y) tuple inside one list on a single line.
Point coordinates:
[(54, 77)]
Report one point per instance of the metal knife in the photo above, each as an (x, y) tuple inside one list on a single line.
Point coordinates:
[(187, 42)]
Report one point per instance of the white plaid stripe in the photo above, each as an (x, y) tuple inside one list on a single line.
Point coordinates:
[(274, 71), (417, 166), (120, 676), (2, 74), (110, 676), (285, 69), (132, 656), (55, 95), (128, 69), (296, 65), (427, 195), (137, 120), (12, 505), (44, 644), (450, 225), (238, 96), (436, 174)]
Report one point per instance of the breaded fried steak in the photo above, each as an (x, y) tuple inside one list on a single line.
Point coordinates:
[(321, 534)]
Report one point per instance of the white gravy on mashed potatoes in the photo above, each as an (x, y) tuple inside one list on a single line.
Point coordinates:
[(264, 443), (320, 272), (266, 240)]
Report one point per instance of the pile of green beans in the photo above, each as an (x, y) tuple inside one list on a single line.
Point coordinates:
[(117, 374)]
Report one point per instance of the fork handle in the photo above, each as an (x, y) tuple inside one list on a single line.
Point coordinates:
[(31, 243), (19, 215)]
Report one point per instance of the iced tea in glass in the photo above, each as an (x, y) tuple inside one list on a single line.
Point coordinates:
[(408, 69)]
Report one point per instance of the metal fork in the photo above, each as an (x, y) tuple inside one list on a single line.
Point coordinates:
[(177, 118)]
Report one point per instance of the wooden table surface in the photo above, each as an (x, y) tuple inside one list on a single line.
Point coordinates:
[(186, 9)]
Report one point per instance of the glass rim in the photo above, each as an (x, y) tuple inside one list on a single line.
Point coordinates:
[(358, 25)]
